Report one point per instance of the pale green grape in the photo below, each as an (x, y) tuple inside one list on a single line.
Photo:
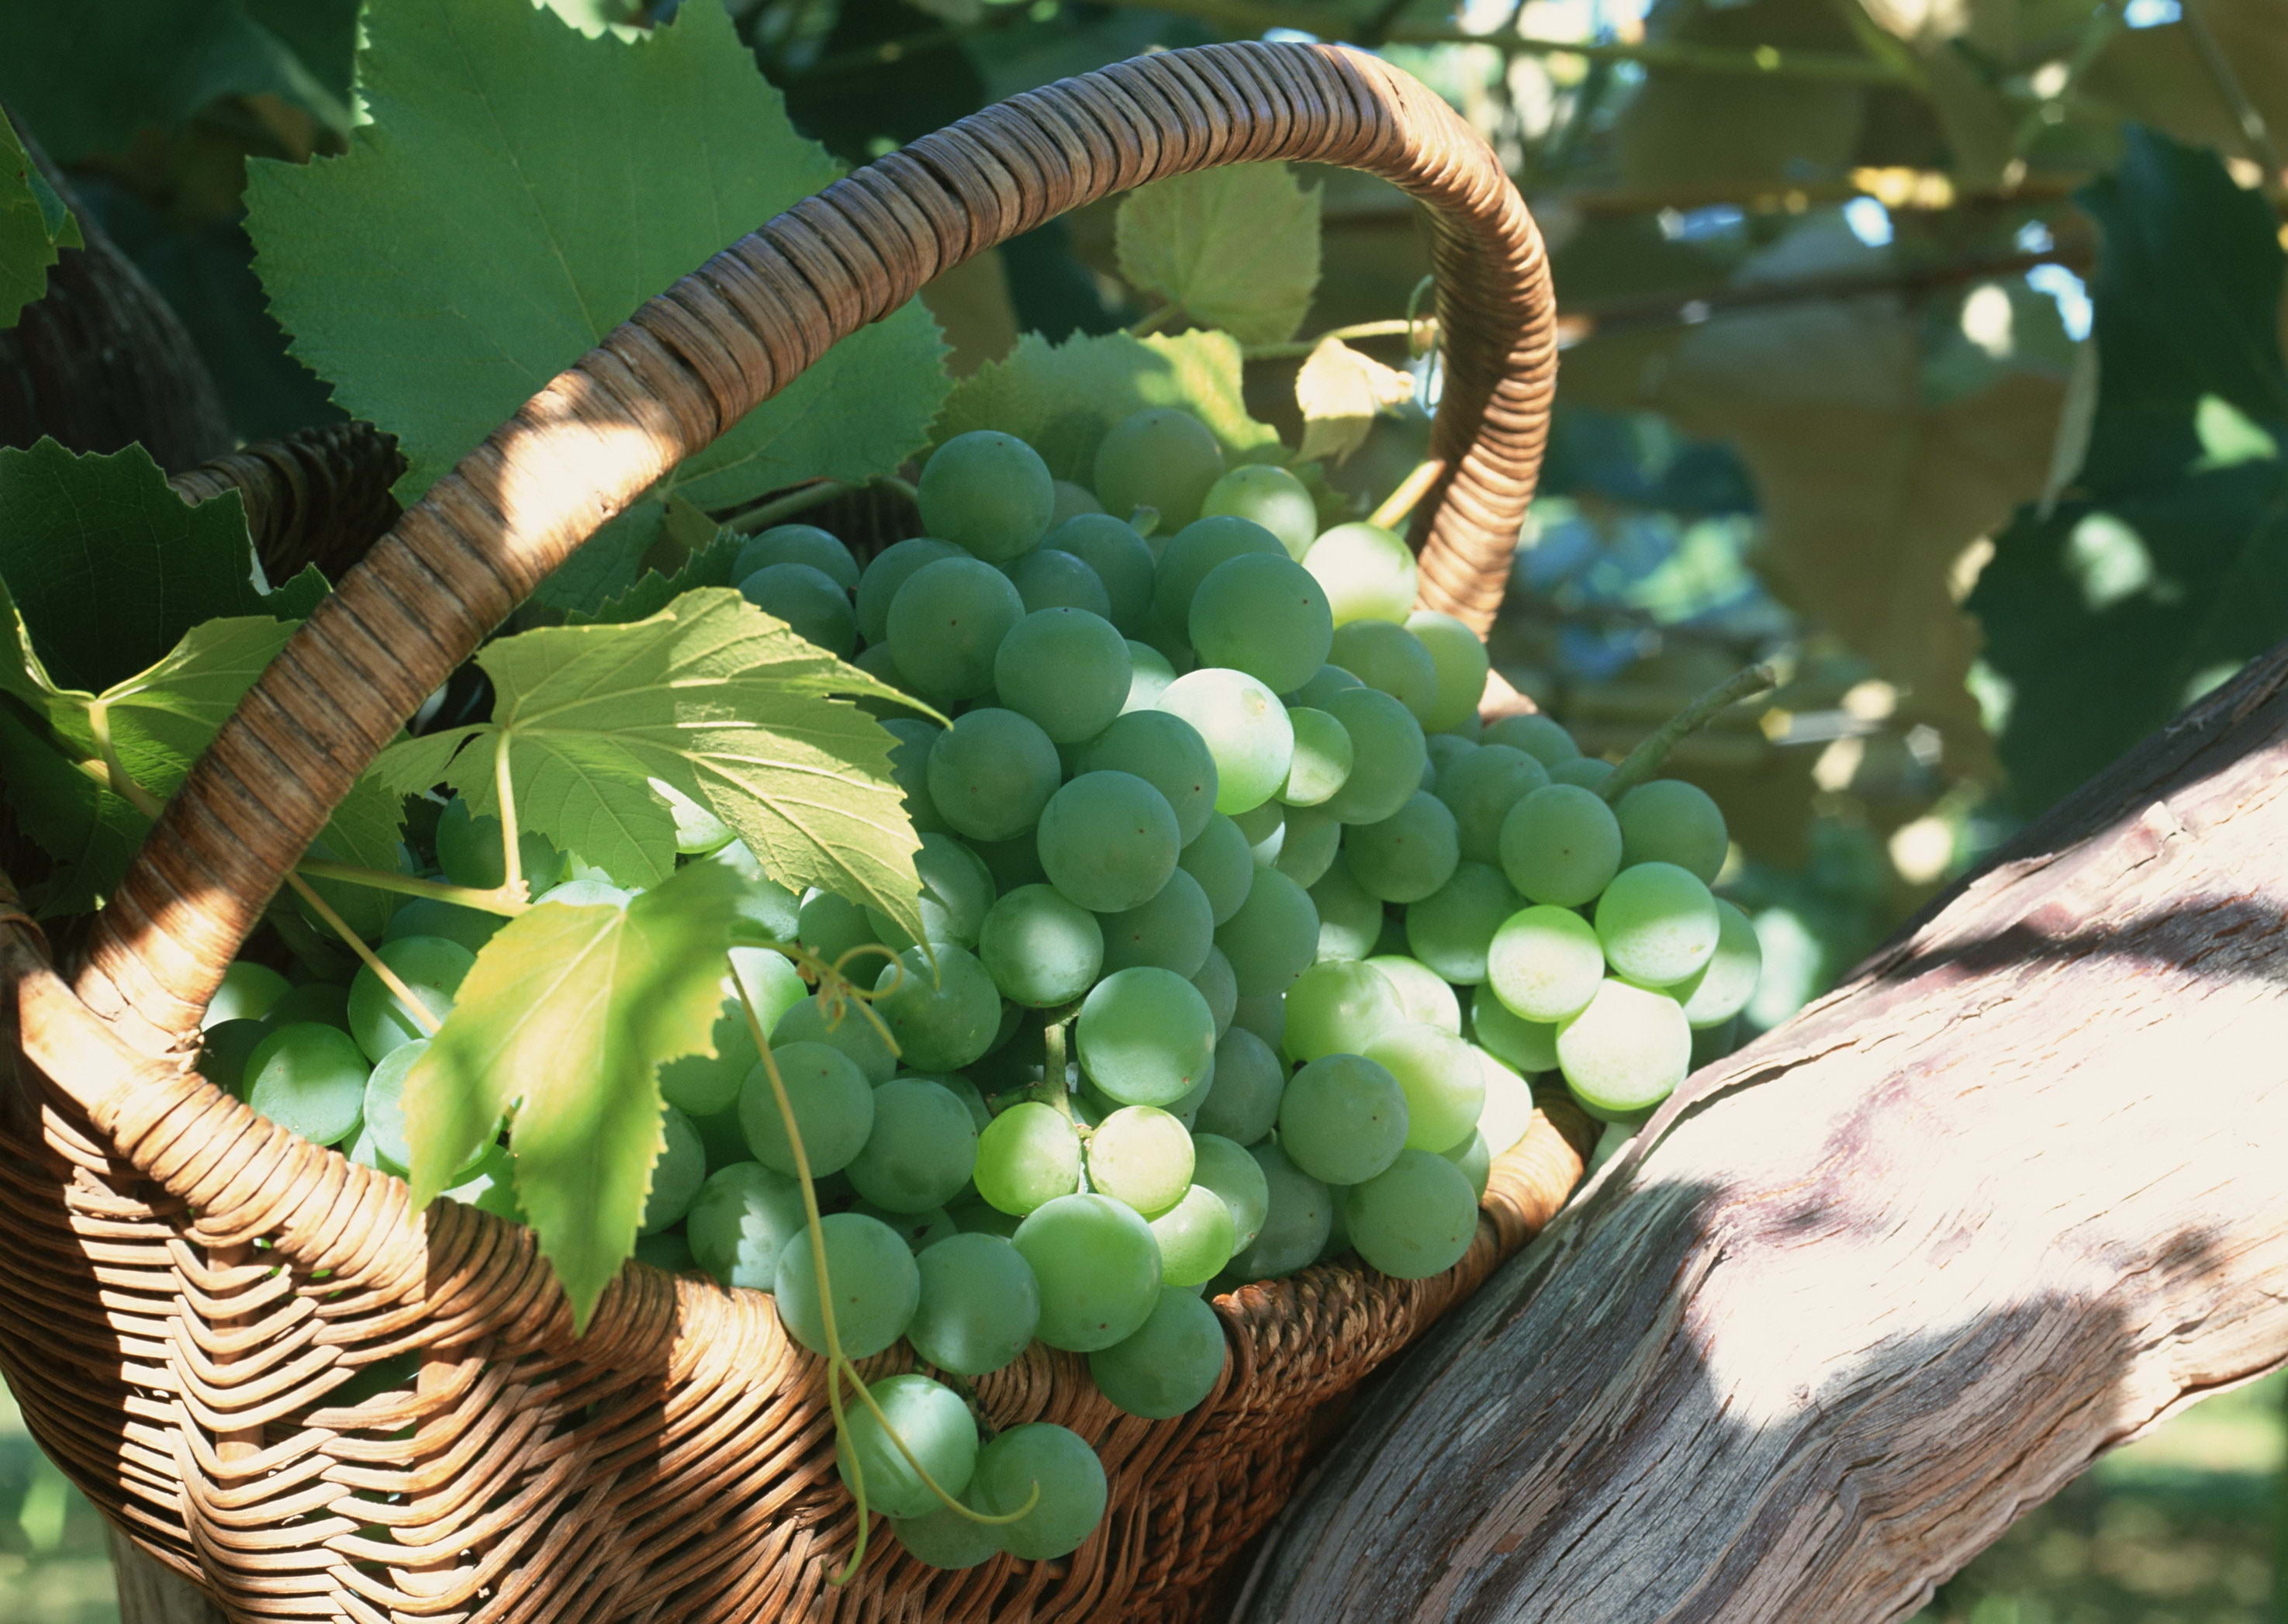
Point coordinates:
[(1273, 938), (1166, 752), (1343, 1118), (668, 1251), (1108, 841), (1299, 1213), (1218, 984), (1010, 863), (987, 492), (1265, 1016), (1041, 948), (1174, 931), (833, 1108), (1246, 731), (1067, 669), (1583, 772), (1475, 1158), (851, 1032), (891, 568), (1609, 1144), (727, 1143), (1452, 929), (1415, 1219), (947, 622), (1144, 1036), (1325, 683), (1236, 1179), (961, 1089), (310, 1080), (933, 1423), (1480, 788), (469, 851), (1561, 845), (814, 607), (1337, 1007), (1507, 1116), (1073, 500), (1388, 755), (1529, 1045), (384, 1111), (1141, 1156), (957, 889), (769, 906), (797, 544), (1408, 855), (1446, 750), (697, 830), (676, 1176), (1670, 821), (1391, 659), (922, 1150), (1720, 988), (1264, 829), (1098, 1267), (1194, 553), (876, 1285), (1656, 923), (1050, 1468), (1169, 1365), (471, 927), (1265, 616), (1322, 757), (1272, 497), (991, 773), (1538, 736), (224, 1050), (249, 990), (1711, 1044), (740, 1222), (585, 893), (1242, 1099), (939, 1005), (979, 1305), (1121, 559), (1423, 994), (1196, 1236), (1462, 665), (1217, 859), (918, 1230), (1368, 572), (909, 767), (1027, 1156), (1350, 921), (1545, 962), (1445, 1085), (1162, 458), (945, 1538), (432, 969), (1149, 675), (1626, 1052), (1310, 841), (1047, 579), (830, 926)]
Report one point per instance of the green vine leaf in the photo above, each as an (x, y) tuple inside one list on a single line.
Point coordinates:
[(34, 223), (1235, 248), (565, 1020)]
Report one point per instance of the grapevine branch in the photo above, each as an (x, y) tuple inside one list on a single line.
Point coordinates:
[(1645, 760)]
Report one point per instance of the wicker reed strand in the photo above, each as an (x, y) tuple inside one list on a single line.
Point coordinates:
[(320, 1403), (316, 496)]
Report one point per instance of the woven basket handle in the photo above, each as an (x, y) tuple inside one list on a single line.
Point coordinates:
[(693, 361)]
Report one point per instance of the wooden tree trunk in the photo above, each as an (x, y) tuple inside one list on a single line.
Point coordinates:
[(1865, 1291)]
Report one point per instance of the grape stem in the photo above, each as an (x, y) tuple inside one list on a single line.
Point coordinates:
[(1646, 759), (1054, 1092), (390, 978), (511, 851), (1153, 320), (1410, 490), (1418, 331), (492, 901)]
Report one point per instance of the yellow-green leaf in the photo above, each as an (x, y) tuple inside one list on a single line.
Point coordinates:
[(1341, 391), (1235, 248)]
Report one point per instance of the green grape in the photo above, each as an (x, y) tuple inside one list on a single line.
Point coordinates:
[(1067, 669), (1072, 500), (727, 1143), (1265, 1017), (851, 1032), (1010, 863), (948, 620), (814, 607), (1343, 1119), (1322, 759), (1423, 994), (325, 1003), (1166, 752), (1218, 984), (944, 1013), (1711, 1044), (1041, 949), (956, 889), (1609, 1144), (922, 1150), (1264, 829), (1670, 821), (1108, 841), (676, 1176), (1120, 558), (1144, 1036), (1246, 730), (432, 969), (1273, 938), (1388, 755), (1299, 1213), (1271, 496), (1538, 736), (1223, 1167), (225, 1048), (797, 544), (1408, 855), (1719, 989), (830, 926), (961, 1089), (876, 1285), (1461, 662), (991, 773), (1162, 458), (933, 1423), (774, 910), (891, 568), (1446, 750), (1099, 1269), (910, 767), (1475, 1158), (833, 1108), (585, 893), (1169, 1365), (1047, 579), (469, 849), (1544, 963), (1656, 923), (1311, 842), (877, 661), (1174, 931), (1149, 675), (247, 993), (1027, 1156), (1196, 1236), (1263, 614), (697, 830), (1391, 659), (1054, 1472), (491, 1187), (1350, 921), (1243, 1089), (1217, 859), (1452, 929), (1368, 572), (471, 927), (1415, 1219), (384, 1111), (1469, 729), (979, 1305), (1480, 788), (1561, 845), (919, 1231), (1141, 1156), (987, 491), (1583, 772), (1529, 1045), (946, 1539), (1445, 1084), (1337, 1007), (309, 1080), (668, 1251), (1626, 1052), (1507, 1116), (1191, 555), (1327, 682)]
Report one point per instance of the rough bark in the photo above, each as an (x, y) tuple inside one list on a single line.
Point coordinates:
[(1867, 1291)]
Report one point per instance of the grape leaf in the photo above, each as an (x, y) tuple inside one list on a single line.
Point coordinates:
[(565, 1018), (712, 697), (1341, 392), (713, 564), (34, 223), (522, 190), (1062, 399), (1235, 247)]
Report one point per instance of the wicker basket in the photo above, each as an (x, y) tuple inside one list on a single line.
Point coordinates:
[(188, 1287)]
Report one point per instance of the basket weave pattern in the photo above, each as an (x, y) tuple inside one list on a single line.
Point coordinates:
[(190, 1286)]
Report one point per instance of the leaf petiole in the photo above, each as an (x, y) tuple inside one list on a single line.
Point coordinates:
[(390, 978)]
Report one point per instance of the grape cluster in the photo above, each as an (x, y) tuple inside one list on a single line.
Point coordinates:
[(1210, 853)]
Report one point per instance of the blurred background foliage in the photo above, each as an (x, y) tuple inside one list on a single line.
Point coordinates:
[(1929, 348)]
